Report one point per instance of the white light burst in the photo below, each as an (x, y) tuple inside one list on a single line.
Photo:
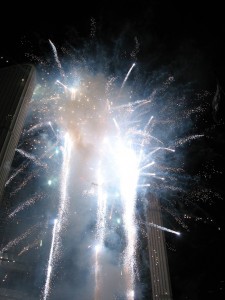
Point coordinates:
[(111, 146)]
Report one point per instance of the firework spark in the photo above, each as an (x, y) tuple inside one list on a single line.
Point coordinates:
[(50, 263), (27, 203), (56, 58), (59, 223), (161, 227), (125, 79), (128, 170), (21, 237)]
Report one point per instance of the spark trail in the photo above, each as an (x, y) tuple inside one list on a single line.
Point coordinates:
[(31, 157), (133, 65), (101, 227), (50, 263), (161, 227), (57, 59), (23, 167), (101, 209), (20, 238), (27, 203), (97, 273), (30, 246), (19, 170), (62, 211), (128, 174), (188, 139), (35, 127)]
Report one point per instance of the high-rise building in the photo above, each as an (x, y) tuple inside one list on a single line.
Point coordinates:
[(160, 278), (16, 88)]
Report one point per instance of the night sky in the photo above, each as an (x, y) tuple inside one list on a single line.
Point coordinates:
[(179, 39)]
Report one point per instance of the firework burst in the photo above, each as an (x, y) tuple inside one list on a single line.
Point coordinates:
[(115, 142)]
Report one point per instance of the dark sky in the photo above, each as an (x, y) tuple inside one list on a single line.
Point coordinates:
[(182, 38)]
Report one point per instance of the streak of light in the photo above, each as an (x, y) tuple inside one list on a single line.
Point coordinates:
[(50, 124), (28, 247), (37, 126), (57, 59), (25, 165), (27, 203), (31, 157), (50, 263), (188, 139), (101, 209), (61, 218), (101, 227), (128, 174), (125, 79), (20, 238), (97, 273), (160, 227)]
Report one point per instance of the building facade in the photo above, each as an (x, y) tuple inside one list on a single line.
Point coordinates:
[(160, 277), (17, 84)]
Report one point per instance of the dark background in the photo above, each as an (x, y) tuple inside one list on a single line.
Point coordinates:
[(183, 38)]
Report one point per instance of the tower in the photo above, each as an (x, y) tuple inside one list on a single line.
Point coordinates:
[(160, 278), (16, 88)]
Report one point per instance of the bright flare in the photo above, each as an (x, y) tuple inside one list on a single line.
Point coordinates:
[(128, 174)]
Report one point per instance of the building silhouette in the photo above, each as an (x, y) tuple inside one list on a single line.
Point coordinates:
[(17, 84), (159, 269)]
